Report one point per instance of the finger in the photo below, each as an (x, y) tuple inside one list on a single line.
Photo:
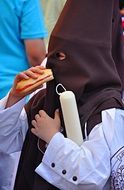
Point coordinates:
[(38, 69), (31, 74), (34, 131), (37, 116), (21, 76), (41, 67), (34, 123), (42, 113)]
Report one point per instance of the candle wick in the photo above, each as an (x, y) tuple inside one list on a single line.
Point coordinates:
[(58, 87)]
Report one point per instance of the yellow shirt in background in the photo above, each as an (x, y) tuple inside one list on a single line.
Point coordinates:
[(52, 10)]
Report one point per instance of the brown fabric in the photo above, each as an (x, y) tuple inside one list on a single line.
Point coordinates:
[(118, 43), (96, 118), (26, 178), (88, 35)]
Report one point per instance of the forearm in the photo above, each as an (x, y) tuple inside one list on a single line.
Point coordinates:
[(12, 99), (13, 126), (36, 51), (76, 167), (37, 60)]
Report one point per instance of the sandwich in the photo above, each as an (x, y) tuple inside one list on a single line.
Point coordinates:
[(27, 85)]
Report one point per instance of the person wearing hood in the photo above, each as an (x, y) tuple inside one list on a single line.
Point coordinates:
[(86, 57)]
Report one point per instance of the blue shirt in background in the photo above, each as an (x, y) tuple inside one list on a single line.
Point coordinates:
[(19, 20)]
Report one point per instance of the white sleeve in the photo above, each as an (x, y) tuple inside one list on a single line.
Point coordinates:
[(13, 126), (68, 166)]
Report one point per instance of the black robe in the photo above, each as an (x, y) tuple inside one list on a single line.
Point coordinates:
[(85, 55)]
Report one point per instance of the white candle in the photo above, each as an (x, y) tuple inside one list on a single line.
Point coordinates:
[(71, 117)]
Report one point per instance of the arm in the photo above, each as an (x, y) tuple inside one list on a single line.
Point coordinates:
[(13, 121), (14, 95), (33, 31), (65, 164), (35, 55), (13, 126)]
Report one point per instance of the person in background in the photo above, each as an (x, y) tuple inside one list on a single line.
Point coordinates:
[(86, 58), (22, 33), (52, 10), (22, 36)]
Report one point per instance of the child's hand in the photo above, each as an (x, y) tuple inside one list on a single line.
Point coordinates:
[(30, 73), (46, 127), (14, 95)]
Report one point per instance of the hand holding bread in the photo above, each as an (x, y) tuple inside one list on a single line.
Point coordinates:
[(27, 82), (27, 85)]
